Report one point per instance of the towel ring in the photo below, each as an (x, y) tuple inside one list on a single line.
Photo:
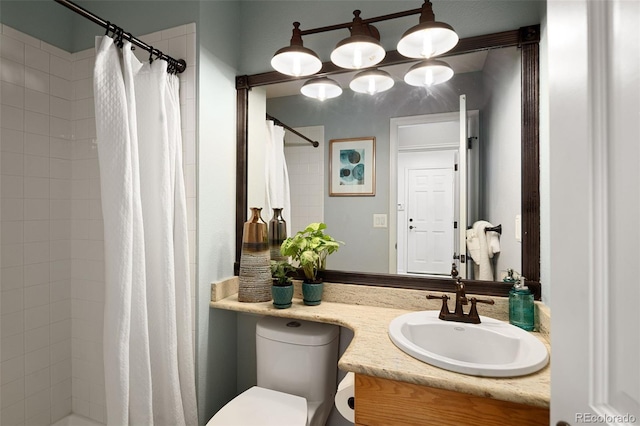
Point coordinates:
[(497, 229)]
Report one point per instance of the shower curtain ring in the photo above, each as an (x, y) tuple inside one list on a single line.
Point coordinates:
[(131, 38), (108, 27), (118, 36)]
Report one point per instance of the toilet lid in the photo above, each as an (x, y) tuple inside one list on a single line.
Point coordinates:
[(262, 407)]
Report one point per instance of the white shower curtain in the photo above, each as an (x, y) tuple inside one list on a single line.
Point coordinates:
[(148, 348), (276, 174)]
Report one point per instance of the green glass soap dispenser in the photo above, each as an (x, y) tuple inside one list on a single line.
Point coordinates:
[(521, 309)]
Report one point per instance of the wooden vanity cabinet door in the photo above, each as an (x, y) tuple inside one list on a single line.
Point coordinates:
[(384, 402)]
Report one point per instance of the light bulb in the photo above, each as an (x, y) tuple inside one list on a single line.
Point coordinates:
[(322, 93), (372, 86), (357, 57), (297, 68), (428, 78), (427, 45)]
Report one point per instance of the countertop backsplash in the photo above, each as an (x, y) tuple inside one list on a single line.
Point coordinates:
[(396, 298)]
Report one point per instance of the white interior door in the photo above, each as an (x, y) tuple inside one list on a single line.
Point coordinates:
[(461, 246), (430, 236), (594, 209), (419, 142)]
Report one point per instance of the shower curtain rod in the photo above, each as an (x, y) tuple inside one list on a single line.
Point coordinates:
[(281, 124), (179, 64)]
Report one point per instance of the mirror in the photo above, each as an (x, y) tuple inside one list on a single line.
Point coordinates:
[(352, 272), (408, 123)]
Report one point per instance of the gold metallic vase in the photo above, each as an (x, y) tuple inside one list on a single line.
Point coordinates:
[(255, 261)]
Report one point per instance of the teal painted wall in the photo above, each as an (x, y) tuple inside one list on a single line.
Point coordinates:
[(354, 115), (218, 54), (137, 17), (267, 25), (44, 20), (59, 26)]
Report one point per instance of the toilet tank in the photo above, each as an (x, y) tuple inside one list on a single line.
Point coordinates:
[(297, 357)]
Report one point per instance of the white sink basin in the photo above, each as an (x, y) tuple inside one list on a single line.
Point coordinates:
[(490, 349)]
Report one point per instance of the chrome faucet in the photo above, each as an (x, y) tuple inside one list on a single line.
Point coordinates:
[(458, 314)]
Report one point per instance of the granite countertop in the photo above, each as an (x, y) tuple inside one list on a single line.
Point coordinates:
[(368, 311)]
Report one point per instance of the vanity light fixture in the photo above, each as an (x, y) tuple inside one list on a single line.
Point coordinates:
[(295, 59), (429, 38), (371, 82), (362, 49), (321, 88), (428, 73)]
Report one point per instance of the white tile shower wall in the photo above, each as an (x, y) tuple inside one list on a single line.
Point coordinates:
[(305, 165), (87, 259), (35, 312), (52, 275)]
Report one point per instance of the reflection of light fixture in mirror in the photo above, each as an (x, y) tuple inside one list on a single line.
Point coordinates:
[(321, 88), (429, 38), (295, 59), (371, 82), (362, 49), (428, 73)]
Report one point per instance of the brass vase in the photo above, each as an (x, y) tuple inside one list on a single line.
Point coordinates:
[(277, 234), (255, 261)]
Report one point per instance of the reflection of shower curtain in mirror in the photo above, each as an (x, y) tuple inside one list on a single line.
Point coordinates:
[(276, 174), (148, 347)]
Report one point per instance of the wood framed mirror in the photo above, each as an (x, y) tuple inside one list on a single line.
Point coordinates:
[(527, 40)]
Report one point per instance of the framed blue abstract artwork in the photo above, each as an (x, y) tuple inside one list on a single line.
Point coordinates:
[(352, 167)]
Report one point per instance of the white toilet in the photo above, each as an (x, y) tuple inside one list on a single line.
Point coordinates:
[(297, 364)]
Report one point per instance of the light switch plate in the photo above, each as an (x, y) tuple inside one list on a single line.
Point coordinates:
[(379, 220), (518, 228)]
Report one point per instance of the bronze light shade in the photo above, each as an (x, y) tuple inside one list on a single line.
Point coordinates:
[(428, 73), (371, 82), (429, 38), (321, 88), (295, 59), (361, 50)]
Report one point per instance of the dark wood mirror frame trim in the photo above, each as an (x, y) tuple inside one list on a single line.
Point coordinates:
[(527, 39)]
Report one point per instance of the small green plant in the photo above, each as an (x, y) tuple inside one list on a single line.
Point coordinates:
[(310, 248), (280, 272)]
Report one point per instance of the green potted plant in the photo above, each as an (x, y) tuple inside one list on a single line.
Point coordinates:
[(310, 248), (282, 288)]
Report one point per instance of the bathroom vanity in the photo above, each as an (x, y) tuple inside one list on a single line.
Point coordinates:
[(384, 402), (392, 387)]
